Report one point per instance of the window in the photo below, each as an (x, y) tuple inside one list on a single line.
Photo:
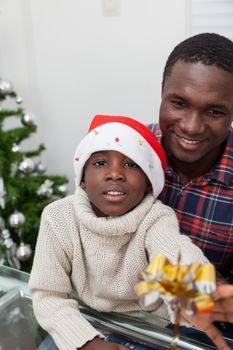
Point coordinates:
[(214, 16)]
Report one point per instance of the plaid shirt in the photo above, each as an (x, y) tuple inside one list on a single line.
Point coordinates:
[(204, 207)]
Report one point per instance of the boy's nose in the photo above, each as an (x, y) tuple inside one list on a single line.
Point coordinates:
[(114, 175)]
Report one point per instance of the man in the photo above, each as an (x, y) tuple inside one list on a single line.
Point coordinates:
[(196, 114), (195, 129)]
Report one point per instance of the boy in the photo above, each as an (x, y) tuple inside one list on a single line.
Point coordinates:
[(98, 240)]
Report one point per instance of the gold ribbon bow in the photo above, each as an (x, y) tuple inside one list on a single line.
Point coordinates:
[(186, 288)]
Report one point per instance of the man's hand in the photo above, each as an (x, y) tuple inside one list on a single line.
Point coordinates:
[(100, 344), (223, 311)]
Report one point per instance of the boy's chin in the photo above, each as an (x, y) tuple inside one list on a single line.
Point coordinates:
[(113, 212)]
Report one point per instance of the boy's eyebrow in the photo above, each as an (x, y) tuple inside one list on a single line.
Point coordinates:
[(99, 152)]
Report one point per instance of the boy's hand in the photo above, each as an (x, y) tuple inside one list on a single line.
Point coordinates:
[(100, 344), (223, 311)]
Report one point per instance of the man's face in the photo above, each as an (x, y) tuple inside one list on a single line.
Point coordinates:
[(196, 112), (114, 183)]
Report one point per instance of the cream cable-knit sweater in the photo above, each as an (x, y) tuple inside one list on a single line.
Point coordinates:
[(99, 258)]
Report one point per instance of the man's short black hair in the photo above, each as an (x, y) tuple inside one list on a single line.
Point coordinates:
[(207, 48)]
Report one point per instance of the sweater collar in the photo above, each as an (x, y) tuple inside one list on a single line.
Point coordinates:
[(106, 226)]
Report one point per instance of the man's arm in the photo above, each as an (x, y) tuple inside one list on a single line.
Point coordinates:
[(223, 311)]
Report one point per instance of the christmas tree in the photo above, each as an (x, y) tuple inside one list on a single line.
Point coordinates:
[(25, 189)]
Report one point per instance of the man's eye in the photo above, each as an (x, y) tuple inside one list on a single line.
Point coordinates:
[(215, 113), (100, 163), (177, 103), (131, 165)]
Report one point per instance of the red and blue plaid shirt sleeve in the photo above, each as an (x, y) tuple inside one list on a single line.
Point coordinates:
[(204, 208)]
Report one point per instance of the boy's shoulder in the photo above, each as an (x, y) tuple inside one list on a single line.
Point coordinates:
[(159, 206), (162, 211), (60, 205), (158, 211)]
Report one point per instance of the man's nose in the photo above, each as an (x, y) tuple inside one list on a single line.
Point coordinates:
[(192, 123)]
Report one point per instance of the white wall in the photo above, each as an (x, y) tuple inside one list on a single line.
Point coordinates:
[(70, 62)]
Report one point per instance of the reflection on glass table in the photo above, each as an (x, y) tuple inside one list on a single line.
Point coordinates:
[(19, 329)]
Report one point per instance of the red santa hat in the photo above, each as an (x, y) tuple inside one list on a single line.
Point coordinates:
[(128, 136)]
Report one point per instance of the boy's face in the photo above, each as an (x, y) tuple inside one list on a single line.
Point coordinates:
[(114, 183)]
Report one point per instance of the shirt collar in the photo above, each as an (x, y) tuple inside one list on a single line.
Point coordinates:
[(222, 171)]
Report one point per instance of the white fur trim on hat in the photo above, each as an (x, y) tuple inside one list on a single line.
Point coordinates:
[(116, 136)]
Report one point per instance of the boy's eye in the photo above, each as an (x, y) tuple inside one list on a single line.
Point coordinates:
[(100, 163), (131, 165)]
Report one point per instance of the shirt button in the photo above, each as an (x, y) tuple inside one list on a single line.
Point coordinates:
[(181, 190)]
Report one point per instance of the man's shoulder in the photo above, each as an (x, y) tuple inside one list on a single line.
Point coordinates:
[(155, 128)]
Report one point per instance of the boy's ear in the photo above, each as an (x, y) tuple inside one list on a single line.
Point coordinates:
[(149, 188), (82, 184)]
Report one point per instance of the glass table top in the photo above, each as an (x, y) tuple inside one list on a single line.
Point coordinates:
[(19, 329)]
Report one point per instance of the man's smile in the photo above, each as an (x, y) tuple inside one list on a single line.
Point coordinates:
[(188, 143), (192, 142)]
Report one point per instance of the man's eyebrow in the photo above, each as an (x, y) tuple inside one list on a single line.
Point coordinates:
[(176, 95), (180, 96), (217, 106)]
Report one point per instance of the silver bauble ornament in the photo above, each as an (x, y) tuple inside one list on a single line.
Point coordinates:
[(40, 168), (10, 253), (2, 193), (2, 223), (45, 189), (24, 251), (18, 100), (8, 242), (62, 189), (28, 119), (17, 219), (5, 86), (15, 147), (27, 165)]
